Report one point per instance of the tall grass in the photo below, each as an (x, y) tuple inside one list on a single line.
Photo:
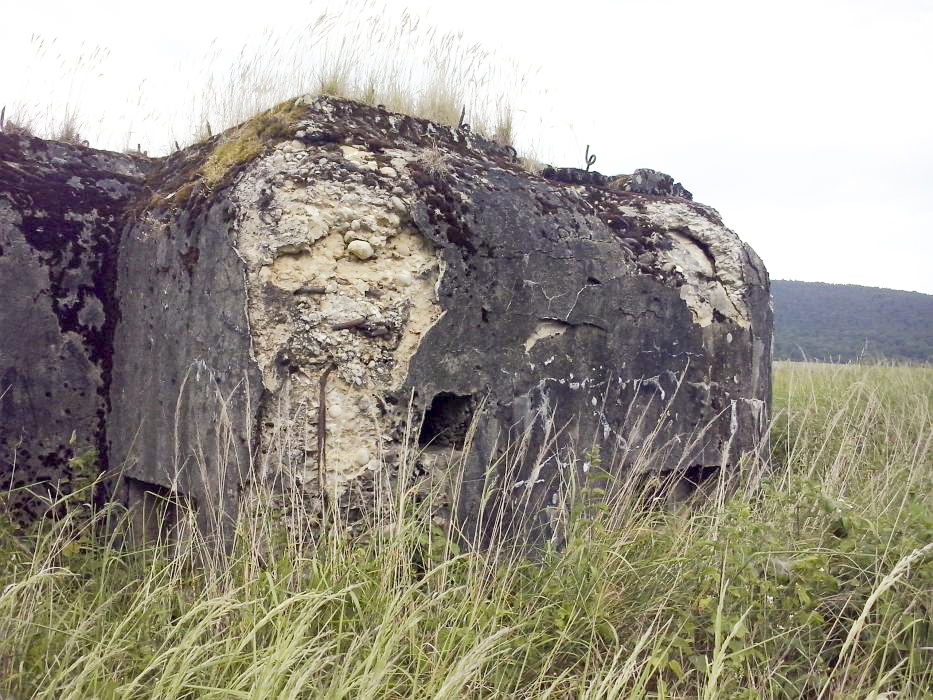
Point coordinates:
[(358, 49), (816, 582), (58, 113)]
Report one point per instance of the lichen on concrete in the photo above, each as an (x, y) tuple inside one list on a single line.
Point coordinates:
[(60, 218)]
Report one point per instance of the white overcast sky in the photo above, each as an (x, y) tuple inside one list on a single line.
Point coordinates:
[(807, 124)]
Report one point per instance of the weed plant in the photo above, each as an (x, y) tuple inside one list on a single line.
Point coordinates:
[(813, 582)]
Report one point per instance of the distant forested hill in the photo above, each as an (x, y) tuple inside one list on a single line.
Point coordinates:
[(843, 322)]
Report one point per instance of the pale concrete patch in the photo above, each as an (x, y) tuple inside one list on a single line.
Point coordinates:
[(708, 255), (312, 304), (545, 329)]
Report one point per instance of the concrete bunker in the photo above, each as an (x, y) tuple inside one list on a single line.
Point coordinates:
[(293, 310)]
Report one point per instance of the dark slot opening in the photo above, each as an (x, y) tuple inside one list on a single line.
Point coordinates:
[(447, 420), (157, 512)]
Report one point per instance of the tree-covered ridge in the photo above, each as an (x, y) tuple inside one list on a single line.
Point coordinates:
[(846, 322)]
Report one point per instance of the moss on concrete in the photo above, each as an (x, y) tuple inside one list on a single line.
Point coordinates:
[(244, 143)]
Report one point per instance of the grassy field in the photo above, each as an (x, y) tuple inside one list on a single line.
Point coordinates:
[(814, 582)]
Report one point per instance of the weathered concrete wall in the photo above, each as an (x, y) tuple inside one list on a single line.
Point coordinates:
[(387, 263), (184, 391), (631, 323), (60, 219), (415, 279)]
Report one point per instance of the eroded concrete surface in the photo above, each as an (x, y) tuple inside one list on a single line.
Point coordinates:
[(416, 278), (434, 282), (314, 302)]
